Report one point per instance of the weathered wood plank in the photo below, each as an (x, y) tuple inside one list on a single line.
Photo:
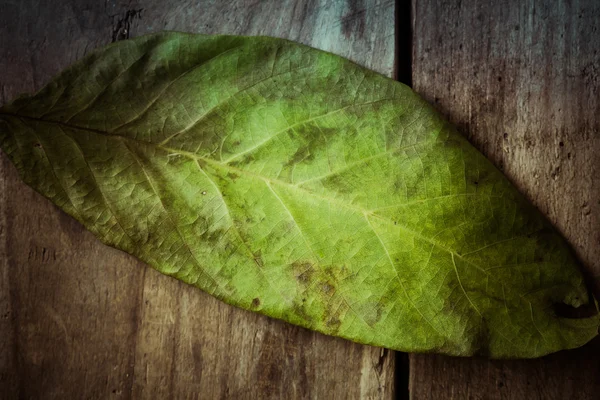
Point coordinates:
[(7, 342), (87, 321), (523, 83)]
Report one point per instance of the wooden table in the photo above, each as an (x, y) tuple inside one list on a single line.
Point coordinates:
[(79, 320)]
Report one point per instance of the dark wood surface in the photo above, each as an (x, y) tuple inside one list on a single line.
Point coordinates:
[(81, 320), (523, 82)]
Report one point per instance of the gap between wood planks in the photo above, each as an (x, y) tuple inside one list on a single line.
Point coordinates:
[(403, 25)]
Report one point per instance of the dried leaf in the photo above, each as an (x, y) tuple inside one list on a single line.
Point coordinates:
[(292, 182)]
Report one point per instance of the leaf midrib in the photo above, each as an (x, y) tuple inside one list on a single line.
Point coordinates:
[(365, 213), (169, 150)]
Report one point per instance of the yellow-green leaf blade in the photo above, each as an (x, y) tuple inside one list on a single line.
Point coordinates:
[(292, 182)]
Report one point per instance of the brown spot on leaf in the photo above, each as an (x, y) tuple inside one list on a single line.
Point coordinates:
[(334, 272), (333, 315), (245, 160), (303, 153), (303, 271), (338, 183), (255, 302), (233, 176), (258, 258), (371, 312), (314, 140), (327, 288), (300, 311), (212, 236), (333, 323)]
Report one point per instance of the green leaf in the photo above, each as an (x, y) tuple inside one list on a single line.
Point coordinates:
[(292, 182)]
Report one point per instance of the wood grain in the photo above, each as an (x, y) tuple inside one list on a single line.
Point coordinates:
[(523, 82), (81, 320), (7, 342)]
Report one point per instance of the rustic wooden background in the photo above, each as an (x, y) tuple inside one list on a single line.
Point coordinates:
[(79, 320)]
